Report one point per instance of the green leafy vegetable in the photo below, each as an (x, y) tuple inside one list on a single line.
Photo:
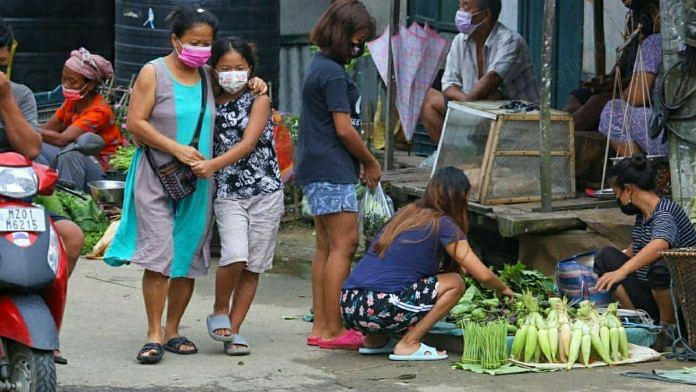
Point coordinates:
[(123, 157), (81, 210)]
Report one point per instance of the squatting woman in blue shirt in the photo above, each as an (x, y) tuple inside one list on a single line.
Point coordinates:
[(404, 281)]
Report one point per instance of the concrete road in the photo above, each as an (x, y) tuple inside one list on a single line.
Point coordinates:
[(105, 326)]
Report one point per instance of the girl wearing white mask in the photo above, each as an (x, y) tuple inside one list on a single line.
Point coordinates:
[(249, 197)]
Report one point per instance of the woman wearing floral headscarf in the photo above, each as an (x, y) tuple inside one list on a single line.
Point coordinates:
[(84, 110)]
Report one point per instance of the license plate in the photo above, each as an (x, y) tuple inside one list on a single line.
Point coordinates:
[(22, 219)]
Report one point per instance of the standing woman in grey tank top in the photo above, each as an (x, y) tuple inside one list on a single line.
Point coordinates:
[(169, 239)]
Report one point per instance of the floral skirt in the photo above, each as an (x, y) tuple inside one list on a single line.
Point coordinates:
[(374, 312)]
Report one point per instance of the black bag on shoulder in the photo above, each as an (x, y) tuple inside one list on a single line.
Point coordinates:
[(176, 177)]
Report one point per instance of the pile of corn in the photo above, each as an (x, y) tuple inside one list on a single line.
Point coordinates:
[(556, 339)]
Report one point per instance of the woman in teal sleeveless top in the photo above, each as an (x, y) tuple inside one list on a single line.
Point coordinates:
[(169, 240)]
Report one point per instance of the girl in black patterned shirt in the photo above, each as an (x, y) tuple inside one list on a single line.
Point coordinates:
[(249, 197)]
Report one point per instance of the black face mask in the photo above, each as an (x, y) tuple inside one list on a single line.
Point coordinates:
[(357, 50), (628, 209), (3, 69)]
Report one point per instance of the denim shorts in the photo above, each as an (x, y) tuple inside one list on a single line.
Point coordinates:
[(376, 312), (326, 198)]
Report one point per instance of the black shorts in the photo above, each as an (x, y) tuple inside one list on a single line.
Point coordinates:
[(639, 290), (582, 94)]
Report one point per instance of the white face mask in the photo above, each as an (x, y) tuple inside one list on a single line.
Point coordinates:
[(233, 81)]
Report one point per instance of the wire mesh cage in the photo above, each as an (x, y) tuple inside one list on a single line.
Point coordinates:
[(682, 266), (500, 151)]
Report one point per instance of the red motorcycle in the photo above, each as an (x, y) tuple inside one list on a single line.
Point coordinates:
[(33, 272)]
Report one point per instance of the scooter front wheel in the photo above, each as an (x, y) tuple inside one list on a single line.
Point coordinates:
[(31, 370)]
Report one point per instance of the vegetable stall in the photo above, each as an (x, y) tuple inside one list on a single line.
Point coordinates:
[(540, 330)]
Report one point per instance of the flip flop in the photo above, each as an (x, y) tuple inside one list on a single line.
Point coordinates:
[(58, 358), (237, 340), (350, 340), (150, 359), (313, 341), (424, 353), (218, 321), (174, 346), (386, 349)]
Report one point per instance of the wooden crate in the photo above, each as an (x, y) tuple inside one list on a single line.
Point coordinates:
[(500, 152)]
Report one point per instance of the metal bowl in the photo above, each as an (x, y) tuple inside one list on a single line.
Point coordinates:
[(107, 191)]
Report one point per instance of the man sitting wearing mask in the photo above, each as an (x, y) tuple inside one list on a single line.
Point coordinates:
[(19, 132), (487, 61)]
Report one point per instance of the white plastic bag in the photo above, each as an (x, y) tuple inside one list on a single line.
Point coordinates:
[(375, 211)]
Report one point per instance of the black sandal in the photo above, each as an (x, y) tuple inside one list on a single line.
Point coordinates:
[(174, 346), (150, 359), (58, 359)]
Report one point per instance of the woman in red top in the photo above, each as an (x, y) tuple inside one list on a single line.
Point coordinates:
[(84, 110)]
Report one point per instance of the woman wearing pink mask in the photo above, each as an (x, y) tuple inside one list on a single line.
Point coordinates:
[(171, 114), (169, 238), (84, 110)]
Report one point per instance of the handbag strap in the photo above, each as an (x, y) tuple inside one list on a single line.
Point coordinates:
[(204, 102)]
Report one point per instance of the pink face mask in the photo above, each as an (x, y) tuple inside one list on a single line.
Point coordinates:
[(194, 56), (72, 94)]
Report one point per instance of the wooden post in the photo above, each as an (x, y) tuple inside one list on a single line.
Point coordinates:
[(599, 41), (390, 107), (545, 118)]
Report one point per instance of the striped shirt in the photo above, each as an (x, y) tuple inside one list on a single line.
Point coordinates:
[(505, 53), (668, 222)]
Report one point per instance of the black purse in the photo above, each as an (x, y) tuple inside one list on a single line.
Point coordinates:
[(177, 178)]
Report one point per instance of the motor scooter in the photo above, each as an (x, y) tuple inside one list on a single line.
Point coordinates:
[(33, 272)]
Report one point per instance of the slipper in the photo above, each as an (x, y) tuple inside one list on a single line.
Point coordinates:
[(386, 349), (351, 340), (424, 353), (150, 359), (237, 340), (58, 358), (313, 341), (219, 321), (174, 346)]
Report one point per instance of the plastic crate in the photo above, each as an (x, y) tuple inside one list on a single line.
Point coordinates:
[(422, 144), (48, 102)]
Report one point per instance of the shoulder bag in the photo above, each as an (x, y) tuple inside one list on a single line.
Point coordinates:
[(176, 177)]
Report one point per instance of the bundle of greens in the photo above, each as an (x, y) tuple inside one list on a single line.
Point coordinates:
[(485, 344), (481, 304), (122, 159), (519, 278), (81, 210)]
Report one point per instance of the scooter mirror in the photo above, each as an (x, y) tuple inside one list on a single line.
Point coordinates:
[(89, 144)]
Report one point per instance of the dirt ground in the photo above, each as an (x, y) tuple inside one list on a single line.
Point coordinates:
[(295, 249)]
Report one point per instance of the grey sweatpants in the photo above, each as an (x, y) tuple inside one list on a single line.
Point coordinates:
[(72, 167)]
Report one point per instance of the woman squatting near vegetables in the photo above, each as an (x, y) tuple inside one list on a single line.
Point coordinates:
[(329, 153), (409, 279), (638, 277)]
